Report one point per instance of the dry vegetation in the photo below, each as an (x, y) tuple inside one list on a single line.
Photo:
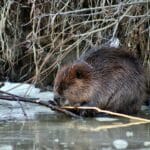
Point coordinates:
[(37, 36)]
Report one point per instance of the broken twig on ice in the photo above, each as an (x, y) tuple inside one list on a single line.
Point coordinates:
[(50, 104)]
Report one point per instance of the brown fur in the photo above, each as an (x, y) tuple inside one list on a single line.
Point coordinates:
[(107, 78)]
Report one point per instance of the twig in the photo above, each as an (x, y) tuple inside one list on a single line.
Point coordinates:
[(79, 11), (97, 30), (12, 97), (90, 9), (108, 112), (23, 110), (119, 20)]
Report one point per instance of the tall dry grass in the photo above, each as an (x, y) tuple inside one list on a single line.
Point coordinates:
[(37, 36)]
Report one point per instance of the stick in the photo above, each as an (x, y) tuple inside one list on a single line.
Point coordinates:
[(108, 112), (12, 97)]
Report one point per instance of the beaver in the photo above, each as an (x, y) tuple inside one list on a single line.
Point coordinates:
[(108, 78)]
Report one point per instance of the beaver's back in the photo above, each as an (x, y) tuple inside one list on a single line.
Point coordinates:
[(120, 79), (106, 58)]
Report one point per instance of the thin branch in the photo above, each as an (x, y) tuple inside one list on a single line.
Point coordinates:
[(119, 20), (92, 8), (97, 30), (70, 13), (107, 112), (49, 104)]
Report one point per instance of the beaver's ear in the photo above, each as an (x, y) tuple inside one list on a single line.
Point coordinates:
[(81, 70), (79, 74)]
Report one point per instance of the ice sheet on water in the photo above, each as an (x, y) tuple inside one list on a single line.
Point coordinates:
[(107, 119), (26, 90), (6, 147), (120, 144), (13, 110)]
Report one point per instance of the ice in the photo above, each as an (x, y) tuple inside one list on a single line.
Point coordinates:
[(129, 134), (102, 119), (10, 110), (114, 42), (120, 144), (6, 147), (147, 143), (26, 90)]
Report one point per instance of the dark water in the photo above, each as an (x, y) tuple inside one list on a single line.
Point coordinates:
[(56, 132)]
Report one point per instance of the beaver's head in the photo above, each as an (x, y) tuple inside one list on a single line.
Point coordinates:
[(74, 83)]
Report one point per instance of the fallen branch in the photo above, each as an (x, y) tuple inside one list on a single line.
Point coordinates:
[(49, 104), (107, 112)]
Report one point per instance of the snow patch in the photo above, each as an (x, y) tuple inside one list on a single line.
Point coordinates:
[(12, 110), (129, 134), (26, 90), (147, 143), (120, 144), (114, 42), (6, 147)]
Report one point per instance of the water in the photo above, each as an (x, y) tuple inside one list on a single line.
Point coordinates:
[(57, 132)]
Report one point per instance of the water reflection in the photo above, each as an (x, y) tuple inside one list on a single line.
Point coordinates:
[(56, 132)]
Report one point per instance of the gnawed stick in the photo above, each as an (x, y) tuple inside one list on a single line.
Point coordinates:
[(107, 112), (49, 104)]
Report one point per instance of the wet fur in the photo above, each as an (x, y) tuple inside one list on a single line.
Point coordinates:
[(107, 78)]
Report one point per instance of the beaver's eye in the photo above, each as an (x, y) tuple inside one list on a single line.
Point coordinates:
[(79, 75)]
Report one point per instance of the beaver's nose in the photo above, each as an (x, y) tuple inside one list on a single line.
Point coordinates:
[(57, 99)]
